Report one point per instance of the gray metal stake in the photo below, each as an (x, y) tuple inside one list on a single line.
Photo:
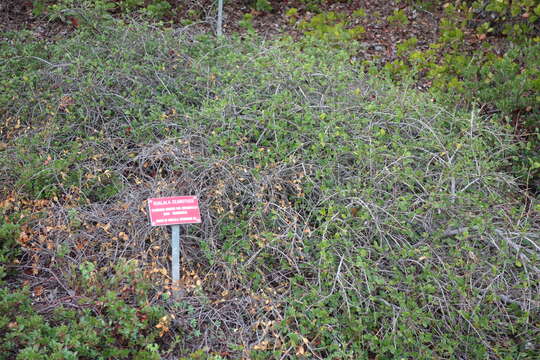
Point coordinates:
[(220, 18), (176, 261)]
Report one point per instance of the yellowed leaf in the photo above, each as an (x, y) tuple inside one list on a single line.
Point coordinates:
[(263, 345)]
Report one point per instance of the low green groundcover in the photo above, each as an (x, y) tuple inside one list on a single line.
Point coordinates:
[(343, 217)]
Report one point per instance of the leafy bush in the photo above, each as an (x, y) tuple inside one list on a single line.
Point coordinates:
[(263, 5), (119, 331), (331, 27), (65, 9), (315, 5), (500, 76), (398, 17), (8, 246)]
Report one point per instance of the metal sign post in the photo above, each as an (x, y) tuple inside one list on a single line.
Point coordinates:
[(220, 18), (175, 242), (174, 211)]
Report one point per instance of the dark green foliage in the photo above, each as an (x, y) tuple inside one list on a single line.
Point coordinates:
[(331, 27), (501, 76), (8, 245), (65, 9), (8, 235), (263, 5), (117, 332)]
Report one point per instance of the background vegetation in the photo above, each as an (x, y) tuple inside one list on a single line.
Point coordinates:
[(344, 216), (484, 53)]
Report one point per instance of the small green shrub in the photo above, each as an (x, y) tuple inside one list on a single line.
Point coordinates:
[(247, 22), (398, 17), (312, 5), (406, 46), (9, 249), (331, 27), (42, 176), (263, 5), (158, 8), (82, 10), (360, 13), (508, 83), (502, 78), (120, 331), (292, 15)]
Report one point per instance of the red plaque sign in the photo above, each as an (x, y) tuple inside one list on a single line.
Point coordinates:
[(174, 210)]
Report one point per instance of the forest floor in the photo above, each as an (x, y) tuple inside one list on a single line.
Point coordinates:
[(378, 42)]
